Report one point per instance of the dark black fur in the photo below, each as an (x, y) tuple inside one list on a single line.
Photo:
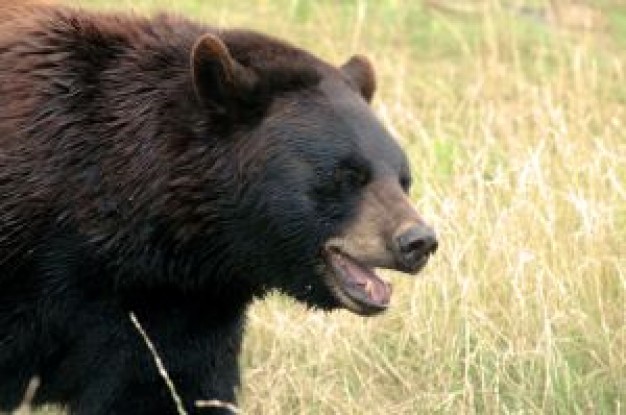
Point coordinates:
[(121, 192)]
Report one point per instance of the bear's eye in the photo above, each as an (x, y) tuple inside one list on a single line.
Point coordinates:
[(405, 183), (351, 175)]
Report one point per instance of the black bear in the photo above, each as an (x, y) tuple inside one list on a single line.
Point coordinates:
[(178, 171)]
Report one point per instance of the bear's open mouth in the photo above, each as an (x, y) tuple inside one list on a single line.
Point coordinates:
[(356, 286)]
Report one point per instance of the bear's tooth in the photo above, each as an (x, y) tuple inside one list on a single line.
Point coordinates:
[(369, 288)]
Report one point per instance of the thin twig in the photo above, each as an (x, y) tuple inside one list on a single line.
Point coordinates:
[(29, 395), (160, 366), (214, 403)]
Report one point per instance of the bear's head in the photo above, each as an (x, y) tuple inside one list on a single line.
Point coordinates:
[(321, 188)]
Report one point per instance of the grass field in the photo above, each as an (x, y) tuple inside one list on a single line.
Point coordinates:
[(514, 121)]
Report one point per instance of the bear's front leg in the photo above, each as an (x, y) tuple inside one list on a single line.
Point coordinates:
[(198, 354), (153, 399)]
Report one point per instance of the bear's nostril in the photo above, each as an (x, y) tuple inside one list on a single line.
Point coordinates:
[(413, 246)]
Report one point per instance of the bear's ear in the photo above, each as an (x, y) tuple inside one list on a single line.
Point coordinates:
[(218, 79), (360, 73)]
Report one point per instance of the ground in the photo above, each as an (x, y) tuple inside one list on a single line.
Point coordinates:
[(514, 123)]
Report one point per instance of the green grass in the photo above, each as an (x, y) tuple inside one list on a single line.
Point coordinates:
[(515, 130)]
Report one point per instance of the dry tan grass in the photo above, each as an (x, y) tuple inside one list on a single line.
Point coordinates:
[(515, 129)]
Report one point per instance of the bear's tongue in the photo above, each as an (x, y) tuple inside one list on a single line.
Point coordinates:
[(360, 283)]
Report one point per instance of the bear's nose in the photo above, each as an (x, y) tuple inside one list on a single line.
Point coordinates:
[(414, 246)]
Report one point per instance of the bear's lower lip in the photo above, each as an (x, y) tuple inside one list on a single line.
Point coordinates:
[(356, 286)]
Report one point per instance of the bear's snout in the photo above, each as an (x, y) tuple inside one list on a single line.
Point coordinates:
[(388, 232)]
